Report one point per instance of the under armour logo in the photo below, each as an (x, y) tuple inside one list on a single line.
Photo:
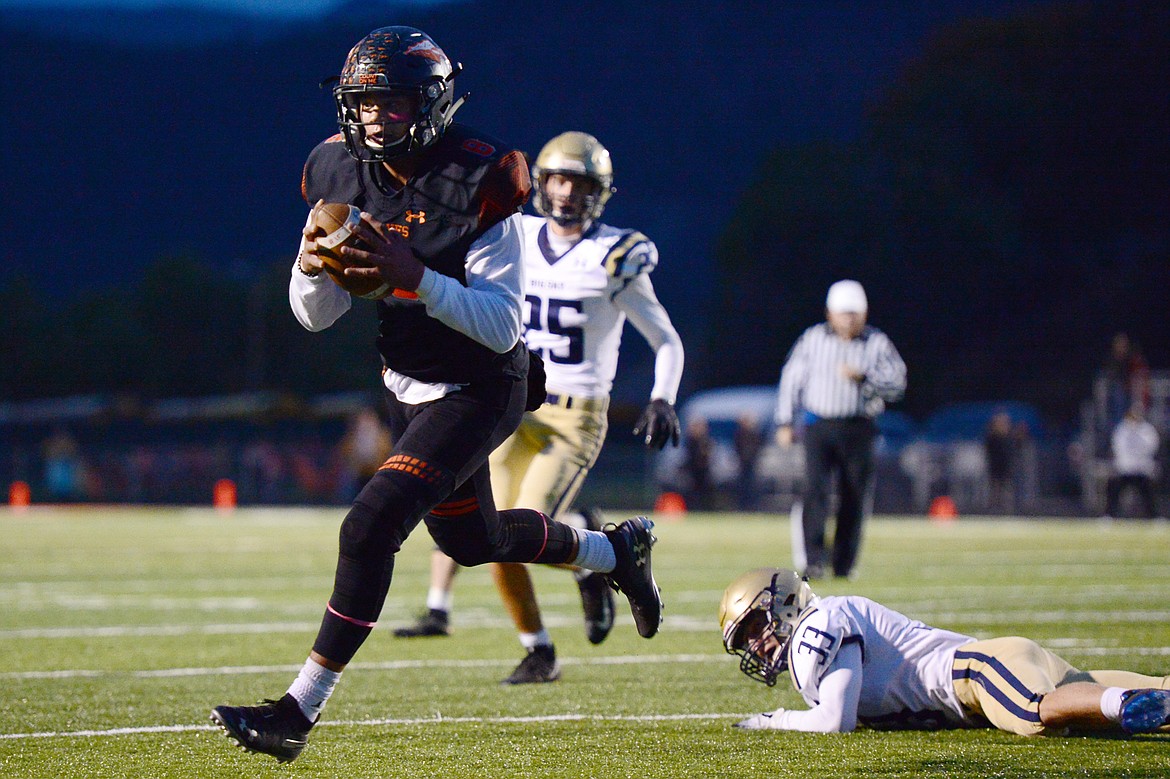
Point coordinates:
[(416, 216), (639, 553)]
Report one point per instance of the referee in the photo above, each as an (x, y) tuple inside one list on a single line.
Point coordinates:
[(839, 374)]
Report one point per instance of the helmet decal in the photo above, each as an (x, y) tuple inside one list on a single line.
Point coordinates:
[(427, 49)]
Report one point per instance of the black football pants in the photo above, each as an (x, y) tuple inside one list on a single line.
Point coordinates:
[(437, 470), (844, 447)]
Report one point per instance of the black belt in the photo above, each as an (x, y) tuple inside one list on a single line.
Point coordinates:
[(564, 401), (568, 401)]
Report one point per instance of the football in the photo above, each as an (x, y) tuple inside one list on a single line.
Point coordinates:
[(336, 224)]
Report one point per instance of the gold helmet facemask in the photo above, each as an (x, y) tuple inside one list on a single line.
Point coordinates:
[(757, 606), (573, 154)]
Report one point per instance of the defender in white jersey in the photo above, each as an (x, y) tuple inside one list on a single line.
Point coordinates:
[(583, 281), (855, 661)]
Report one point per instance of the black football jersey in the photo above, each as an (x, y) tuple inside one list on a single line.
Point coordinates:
[(465, 183)]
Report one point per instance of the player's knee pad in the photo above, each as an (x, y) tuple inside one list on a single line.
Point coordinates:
[(465, 539), (386, 510)]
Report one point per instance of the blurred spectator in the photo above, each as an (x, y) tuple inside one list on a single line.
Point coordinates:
[(1127, 379), (1026, 468), (965, 474), (1135, 445), (63, 468), (261, 473), (748, 441), (362, 450), (1000, 449), (698, 451)]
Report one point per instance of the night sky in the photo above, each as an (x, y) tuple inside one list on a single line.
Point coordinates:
[(183, 130)]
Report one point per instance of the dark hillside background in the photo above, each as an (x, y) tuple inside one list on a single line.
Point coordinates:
[(152, 168)]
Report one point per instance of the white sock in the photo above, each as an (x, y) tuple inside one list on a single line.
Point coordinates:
[(574, 518), (532, 640), (594, 551), (313, 686), (439, 599), (1111, 703)]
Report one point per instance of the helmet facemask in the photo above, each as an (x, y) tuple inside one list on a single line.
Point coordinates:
[(579, 210), (397, 134), (761, 632)]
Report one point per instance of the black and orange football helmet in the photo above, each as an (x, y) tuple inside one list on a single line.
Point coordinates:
[(396, 60)]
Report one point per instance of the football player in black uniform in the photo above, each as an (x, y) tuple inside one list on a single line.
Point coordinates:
[(440, 207)]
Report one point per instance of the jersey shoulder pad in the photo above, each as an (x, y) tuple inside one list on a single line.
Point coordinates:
[(633, 253), (499, 171), (471, 146), (815, 642), (327, 171)]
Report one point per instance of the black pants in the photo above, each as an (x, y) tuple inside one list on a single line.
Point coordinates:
[(437, 471), (844, 447), (1143, 485)]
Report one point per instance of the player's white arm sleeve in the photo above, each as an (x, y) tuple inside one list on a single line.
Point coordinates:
[(489, 309), (316, 301), (839, 690), (645, 312), (885, 376), (792, 379)]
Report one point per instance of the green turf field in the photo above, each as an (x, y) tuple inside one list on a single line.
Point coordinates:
[(120, 629)]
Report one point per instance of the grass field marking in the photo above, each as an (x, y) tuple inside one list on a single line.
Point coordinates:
[(673, 623), (1135, 617), (388, 665), (118, 631), (437, 719), (1080, 646)]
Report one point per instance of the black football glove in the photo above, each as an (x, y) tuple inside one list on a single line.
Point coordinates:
[(658, 424)]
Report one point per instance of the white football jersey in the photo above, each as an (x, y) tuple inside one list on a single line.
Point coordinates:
[(576, 304), (906, 665)]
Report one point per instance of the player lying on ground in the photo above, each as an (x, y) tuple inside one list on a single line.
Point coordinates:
[(856, 661)]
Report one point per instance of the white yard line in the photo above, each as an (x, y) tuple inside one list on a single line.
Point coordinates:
[(389, 665), (437, 719), (484, 618)]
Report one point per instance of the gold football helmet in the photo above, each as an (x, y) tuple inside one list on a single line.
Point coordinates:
[(573, 154), (758, 606)]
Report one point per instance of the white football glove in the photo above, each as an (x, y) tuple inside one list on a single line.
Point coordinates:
[(759, 721)]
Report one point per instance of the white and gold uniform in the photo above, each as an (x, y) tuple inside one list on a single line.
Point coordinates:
[(577, 298), (855, 661)]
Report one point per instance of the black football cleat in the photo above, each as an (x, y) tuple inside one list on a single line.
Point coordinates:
[(433, 623), (596, 595), (276, 728), (539, 666), (597, 602), (632, 541)]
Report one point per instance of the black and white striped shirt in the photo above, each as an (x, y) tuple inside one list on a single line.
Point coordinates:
[(812, 379)]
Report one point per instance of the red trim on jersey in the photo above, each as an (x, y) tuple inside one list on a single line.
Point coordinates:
[(505, 189)]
